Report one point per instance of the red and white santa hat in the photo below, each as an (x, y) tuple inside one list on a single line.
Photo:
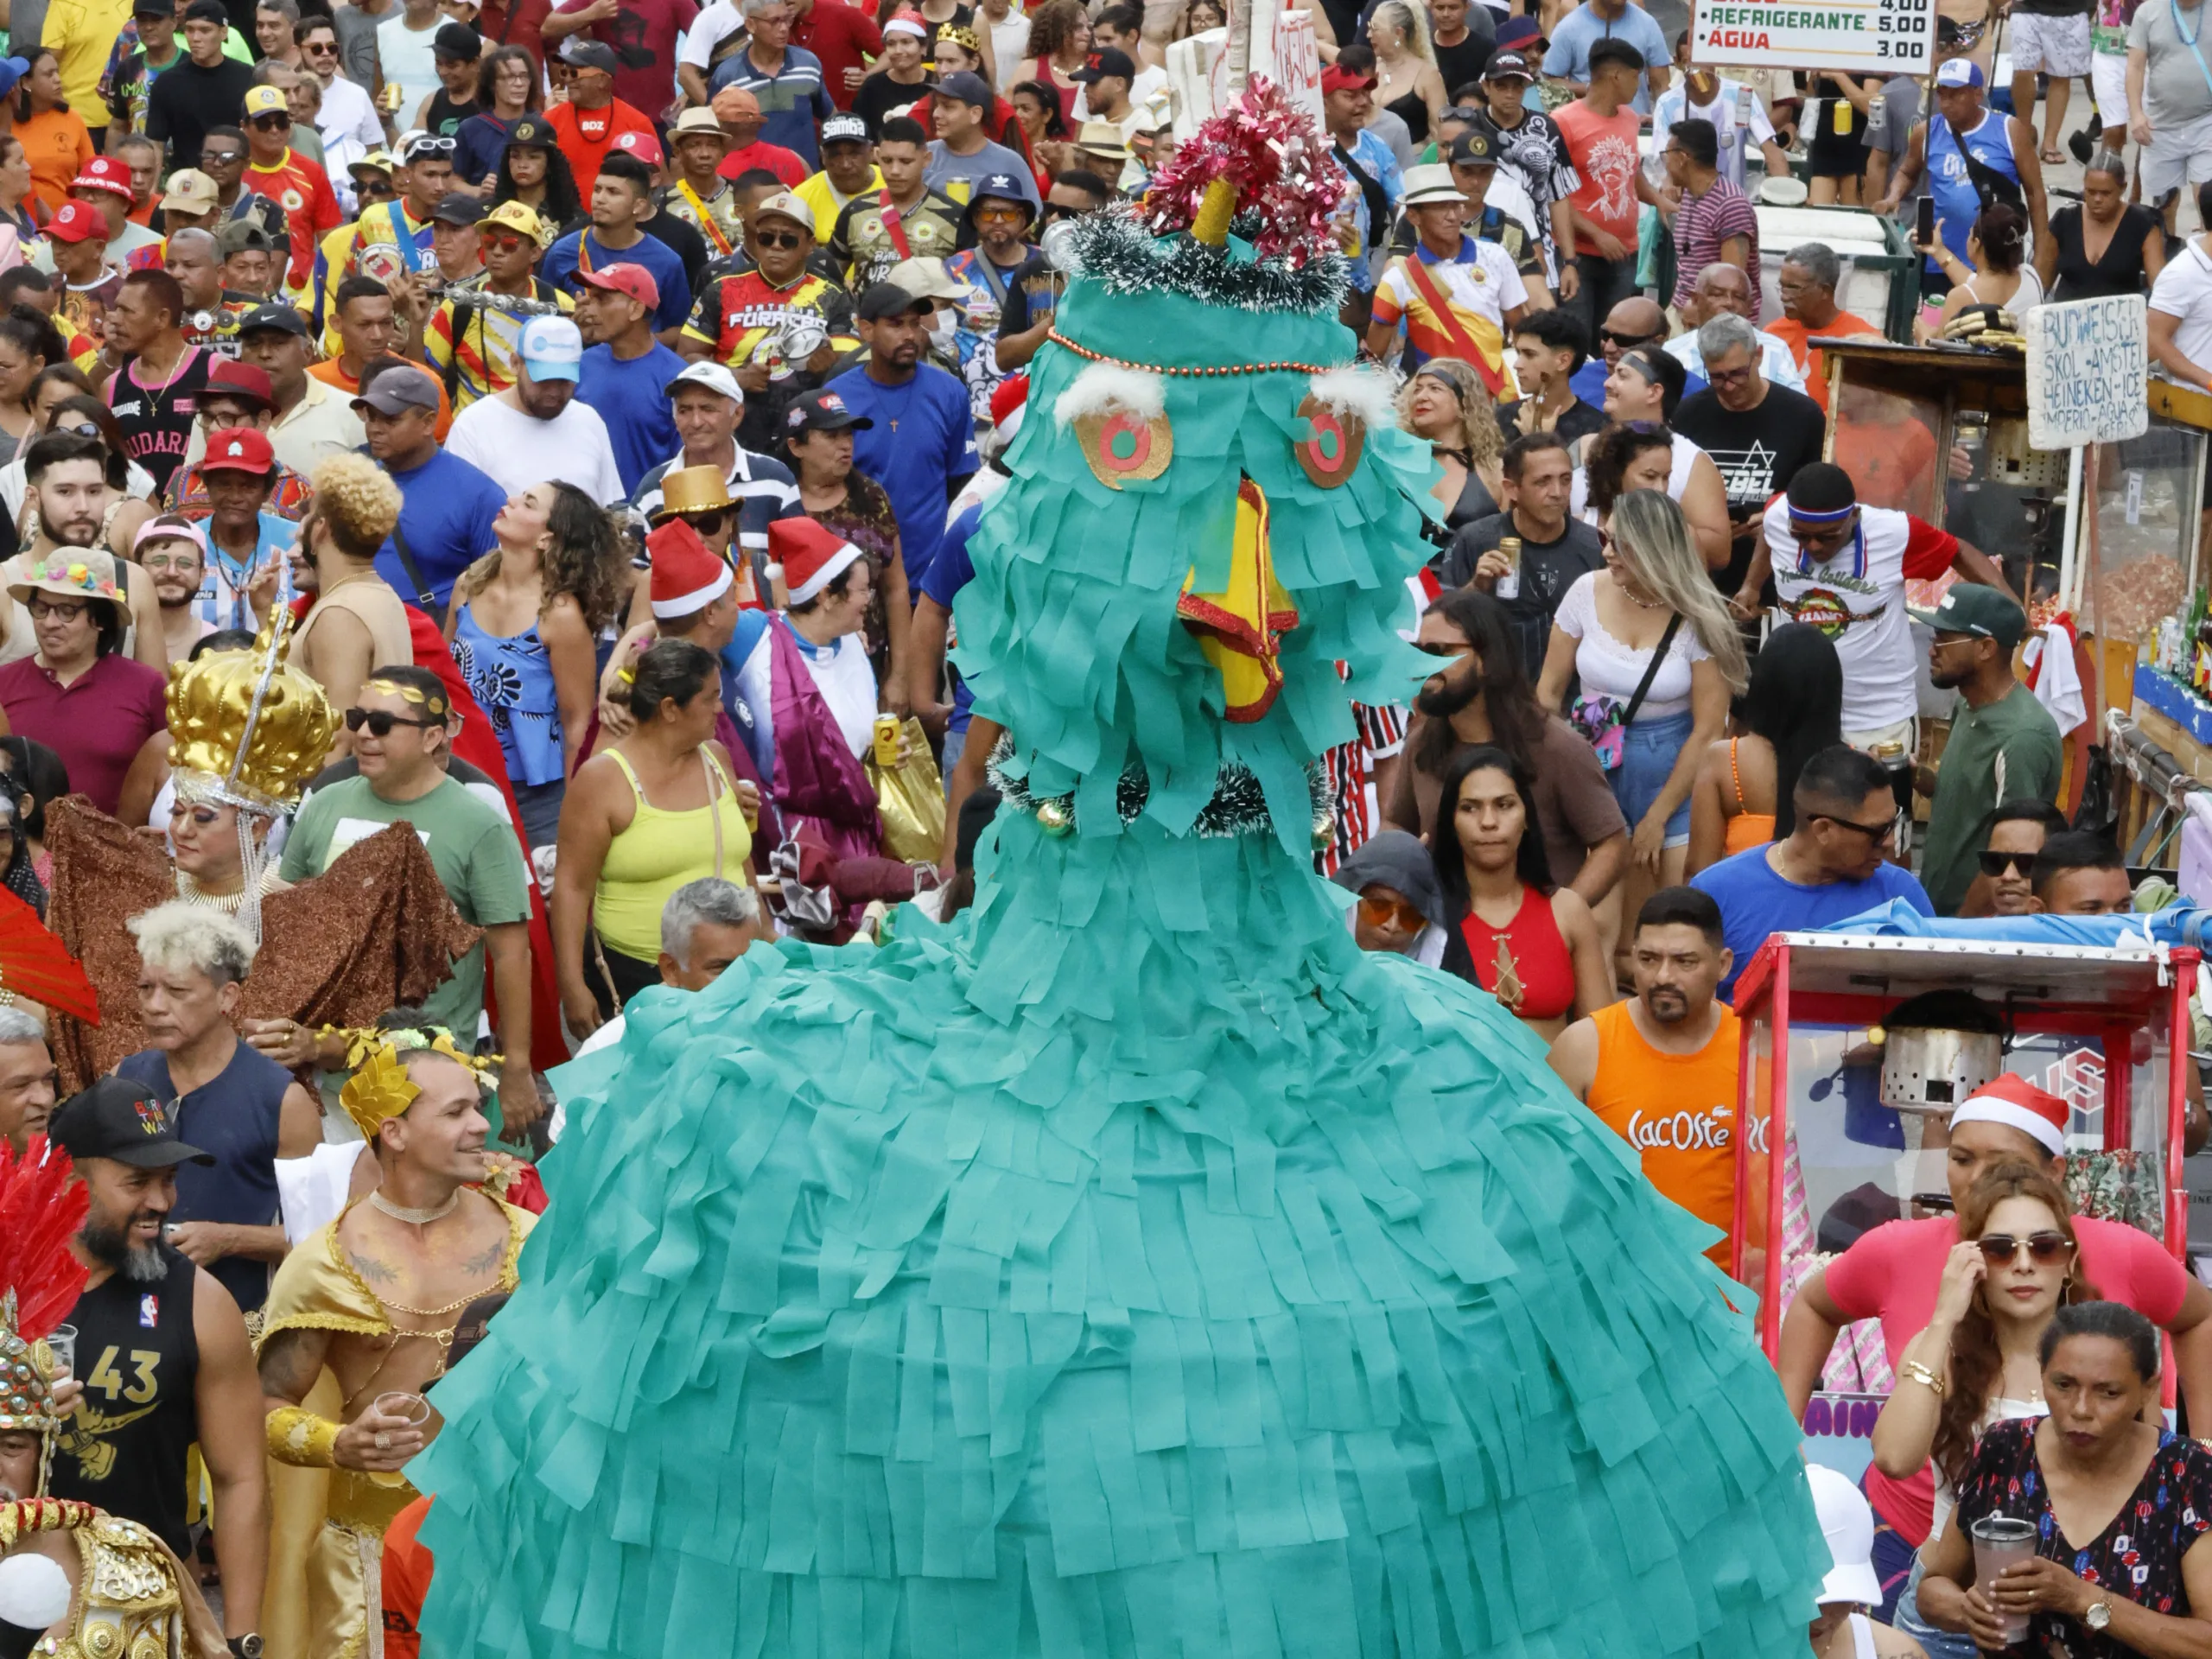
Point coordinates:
[(686, 577), (807, 557), (2016, 1103)]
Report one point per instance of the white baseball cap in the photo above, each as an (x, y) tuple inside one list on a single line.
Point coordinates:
[(552, 349), (1847, 1523)]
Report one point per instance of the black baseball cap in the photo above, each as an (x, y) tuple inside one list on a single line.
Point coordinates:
[(1474, 147), (1107, 61), (1508, 65), (458, 42), (457, 209), (118, 1119), (274, 315), (887, 300), (534, 130), (824, 411), (965, 87), (580, 54)]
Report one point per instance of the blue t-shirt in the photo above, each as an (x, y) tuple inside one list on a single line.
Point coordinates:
[(655, 255), (1755, 901), (950, 571), (446, 511), (1581, 29), (921, 448), (793, 101), (478, 147), (633, 399)]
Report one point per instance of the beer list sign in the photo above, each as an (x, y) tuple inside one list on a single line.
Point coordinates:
[(1864, 37)]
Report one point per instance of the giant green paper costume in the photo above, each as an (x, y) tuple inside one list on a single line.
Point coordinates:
[(1133, 1267)]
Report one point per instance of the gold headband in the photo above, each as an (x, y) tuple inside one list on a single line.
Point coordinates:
[(437, 705), (380, 1089)]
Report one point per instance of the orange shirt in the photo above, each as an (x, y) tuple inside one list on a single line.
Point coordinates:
[(407, 1568), (302, 188), (1811, 364), (587, 136), (57, 146), (328, 370), (1677, 1110)]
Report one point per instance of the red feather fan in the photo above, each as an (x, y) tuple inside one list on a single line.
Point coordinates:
[(41, 1207), (34, 964)]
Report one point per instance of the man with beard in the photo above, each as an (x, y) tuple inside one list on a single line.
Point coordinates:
[(173, 551), (2004, 744), (67, 474), (1659, 1068), (428, 1238), (1479, 694), (163, 1352), (236, 1102)]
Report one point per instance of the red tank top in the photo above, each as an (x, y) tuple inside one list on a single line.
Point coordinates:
[(1524, 964)]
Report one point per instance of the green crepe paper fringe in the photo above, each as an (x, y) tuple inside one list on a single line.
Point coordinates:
[(1132, 1268)]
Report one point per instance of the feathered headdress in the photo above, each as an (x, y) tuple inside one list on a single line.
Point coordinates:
[(40, 1278)]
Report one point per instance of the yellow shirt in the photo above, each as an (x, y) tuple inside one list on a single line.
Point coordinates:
[(82, 32), (824, 199)]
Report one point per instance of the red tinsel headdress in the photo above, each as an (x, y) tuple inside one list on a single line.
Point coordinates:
[(40, 1278), (1273, 162)]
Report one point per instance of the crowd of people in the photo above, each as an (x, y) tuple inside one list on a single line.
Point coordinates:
[(488, 493)]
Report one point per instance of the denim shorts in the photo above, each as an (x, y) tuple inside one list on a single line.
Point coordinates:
[(1649, 751), (1940, 1644)]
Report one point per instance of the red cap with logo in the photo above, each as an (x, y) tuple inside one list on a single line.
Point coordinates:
[(643, 145), (625, 278), (104, 173), (238, 449), (77, 221)]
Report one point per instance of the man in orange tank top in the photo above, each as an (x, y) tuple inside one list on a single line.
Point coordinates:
[(1659, 1068)]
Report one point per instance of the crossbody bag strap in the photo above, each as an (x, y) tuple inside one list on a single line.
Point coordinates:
[(422, 597), (1651, 669)]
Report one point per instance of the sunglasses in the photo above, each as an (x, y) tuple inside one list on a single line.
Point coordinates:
[(221, 158), (378, 722), (1993, 864), (708, 523), (1381, 912), (777, 238), (319, 50), (1876, 832), (429, 147), (2044, 1247), (1625, 341), (1013, 215), (271, 122), (505, 242), (1055, 212)]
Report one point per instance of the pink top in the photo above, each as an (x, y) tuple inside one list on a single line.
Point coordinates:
[(1892, 1274)]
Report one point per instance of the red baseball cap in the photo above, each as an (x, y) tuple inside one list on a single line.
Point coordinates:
[(1334, 80), (643, 145), (104, 173), (77, 221), (228, 376), (625, 278), (240, 450)]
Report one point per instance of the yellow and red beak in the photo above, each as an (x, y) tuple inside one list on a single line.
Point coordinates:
[(1240, 628)]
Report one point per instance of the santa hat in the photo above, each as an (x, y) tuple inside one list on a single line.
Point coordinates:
[(808, 558), (2015, 1103), (686, 577), (1007, 396)]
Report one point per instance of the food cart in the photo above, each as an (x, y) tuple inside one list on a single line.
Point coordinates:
[(1823, 1158)]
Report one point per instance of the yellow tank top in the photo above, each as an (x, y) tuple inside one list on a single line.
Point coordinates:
[(657, 853)]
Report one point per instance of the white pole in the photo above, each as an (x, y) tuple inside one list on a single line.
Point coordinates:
[(2070, 561)]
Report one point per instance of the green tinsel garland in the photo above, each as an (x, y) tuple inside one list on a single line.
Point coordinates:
[(1113, 247)]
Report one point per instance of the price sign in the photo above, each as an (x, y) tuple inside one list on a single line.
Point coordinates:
[(1865, 37), (2087, 370)]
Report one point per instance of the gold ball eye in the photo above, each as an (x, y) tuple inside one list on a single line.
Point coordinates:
[(1331, 454), (1122, 446)]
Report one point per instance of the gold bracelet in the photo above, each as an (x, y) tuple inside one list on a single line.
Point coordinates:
[(300, 1438), (1916, 1372)]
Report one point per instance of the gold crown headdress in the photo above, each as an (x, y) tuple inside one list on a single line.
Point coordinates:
[(380, 1089), (248, 729), (960, 36)]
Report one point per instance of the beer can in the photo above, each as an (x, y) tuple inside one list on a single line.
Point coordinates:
[(887, 740), (1509, 585)]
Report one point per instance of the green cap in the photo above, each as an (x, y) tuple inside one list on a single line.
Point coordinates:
[(1969, 607)]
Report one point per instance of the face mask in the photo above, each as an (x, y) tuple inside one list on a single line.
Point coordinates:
[(942, 324)]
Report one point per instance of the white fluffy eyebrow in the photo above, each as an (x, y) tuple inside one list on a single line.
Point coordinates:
[(1364, 393), (1105, 387)]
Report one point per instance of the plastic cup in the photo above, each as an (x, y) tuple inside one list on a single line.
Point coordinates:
[(2000, 1541), (62, 1342), (415, 1410)]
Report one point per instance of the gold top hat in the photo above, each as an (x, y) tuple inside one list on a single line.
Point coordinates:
[(248, 729), (692, 489)]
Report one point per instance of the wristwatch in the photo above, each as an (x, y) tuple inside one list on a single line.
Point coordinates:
[(2098, 1616), (247, 1646)]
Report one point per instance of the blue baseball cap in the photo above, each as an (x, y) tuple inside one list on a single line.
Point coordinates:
[(551, 348), (1960, 71), (11, 71)]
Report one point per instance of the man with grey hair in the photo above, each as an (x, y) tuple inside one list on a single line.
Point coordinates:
[(706, 925), (1808, 281), (228, 1098), (1723, 287), (1759, 435), (26, 1078)]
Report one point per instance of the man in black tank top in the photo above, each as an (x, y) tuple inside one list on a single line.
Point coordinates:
[(453, 50), (162, 1351)]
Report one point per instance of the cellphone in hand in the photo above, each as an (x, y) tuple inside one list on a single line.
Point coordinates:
[(1925, 224)]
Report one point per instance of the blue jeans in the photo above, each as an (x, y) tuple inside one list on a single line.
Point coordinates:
[(1649, 751)]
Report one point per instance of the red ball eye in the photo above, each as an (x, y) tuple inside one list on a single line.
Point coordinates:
[(1331, 454)]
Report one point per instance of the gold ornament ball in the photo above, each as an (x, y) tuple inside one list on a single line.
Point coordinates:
[(1055, 818)]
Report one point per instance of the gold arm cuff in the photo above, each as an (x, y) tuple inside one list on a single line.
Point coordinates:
[(301, 1438), (1916, 1372)]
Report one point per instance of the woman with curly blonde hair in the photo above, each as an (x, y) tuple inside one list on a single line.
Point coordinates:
[(357, 622), (1447, 403), (521, 627)]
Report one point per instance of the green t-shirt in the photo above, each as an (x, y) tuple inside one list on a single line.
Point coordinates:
[(2008, 751), (471, 843)]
